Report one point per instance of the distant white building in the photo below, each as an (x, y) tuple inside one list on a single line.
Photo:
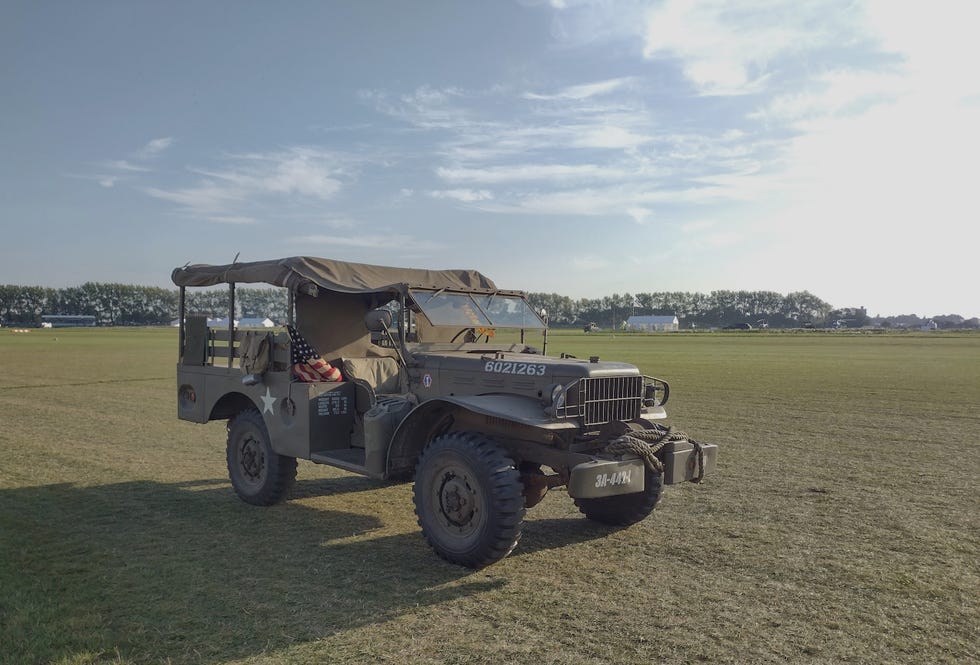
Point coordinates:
[(652, 323), (239, 323), (254, 322)]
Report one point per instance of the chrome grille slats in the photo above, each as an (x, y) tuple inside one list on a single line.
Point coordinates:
[(600, 400)]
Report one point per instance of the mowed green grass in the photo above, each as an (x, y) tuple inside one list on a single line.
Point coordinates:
[(841, 525)]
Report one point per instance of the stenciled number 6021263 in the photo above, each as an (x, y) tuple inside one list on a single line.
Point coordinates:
[(504, 367)]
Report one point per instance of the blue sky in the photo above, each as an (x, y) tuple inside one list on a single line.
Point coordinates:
[(585, 148)]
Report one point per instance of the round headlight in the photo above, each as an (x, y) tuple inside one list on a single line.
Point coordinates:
[(558, 395)]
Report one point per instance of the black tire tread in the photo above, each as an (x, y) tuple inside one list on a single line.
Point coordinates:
[(506, 498), (281, 469)]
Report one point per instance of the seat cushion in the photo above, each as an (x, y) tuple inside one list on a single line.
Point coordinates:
[(382, 374)]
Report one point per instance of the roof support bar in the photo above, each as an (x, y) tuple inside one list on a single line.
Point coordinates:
[(231, 323), (181, 308)]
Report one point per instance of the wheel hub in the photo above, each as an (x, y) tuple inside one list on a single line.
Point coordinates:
[(252, 459), (457, 500)]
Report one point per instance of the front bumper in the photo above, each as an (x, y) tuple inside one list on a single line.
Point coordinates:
[(601, 477), (680, 461)]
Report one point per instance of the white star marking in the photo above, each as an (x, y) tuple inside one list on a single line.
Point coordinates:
[(268, 402)]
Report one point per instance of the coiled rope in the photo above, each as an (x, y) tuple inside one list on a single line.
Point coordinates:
[(646, 443)]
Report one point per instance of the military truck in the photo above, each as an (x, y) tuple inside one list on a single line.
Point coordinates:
[(430, 391)]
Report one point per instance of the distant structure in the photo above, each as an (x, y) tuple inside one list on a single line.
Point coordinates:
[(652, 323), (67, 321), (254, 322)]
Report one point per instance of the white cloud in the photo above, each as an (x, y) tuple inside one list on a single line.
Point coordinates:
[(837, 92), (606, 136), (125, 169), (562, 154), (123, 165), (936, 40), (518, 139), (299, 170), (726, 48), (205, 199), (557, 121), (464, 195), (427, 107), (155, 147), (616, 150), (106, 180), (252, 179), (844, 126), (639, 215), (302, 173), (555, 173), (880, 169), (584, 90), (232, 219)]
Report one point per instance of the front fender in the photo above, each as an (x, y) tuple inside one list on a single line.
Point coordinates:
[(517, 408), (436, 416)]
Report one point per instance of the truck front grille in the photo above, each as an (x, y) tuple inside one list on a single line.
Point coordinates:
[(605, 399)]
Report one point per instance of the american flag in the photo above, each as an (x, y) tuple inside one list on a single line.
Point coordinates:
[(302, 350), (307, 363)]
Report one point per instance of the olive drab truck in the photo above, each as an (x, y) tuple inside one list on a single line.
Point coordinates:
[(398, 374)]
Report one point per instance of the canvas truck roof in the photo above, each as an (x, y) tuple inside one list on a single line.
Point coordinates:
[(298, 272)]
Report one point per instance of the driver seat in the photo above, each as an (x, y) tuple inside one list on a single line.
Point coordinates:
[(383, 374)]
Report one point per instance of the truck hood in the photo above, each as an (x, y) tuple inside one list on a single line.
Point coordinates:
[(454, 373)]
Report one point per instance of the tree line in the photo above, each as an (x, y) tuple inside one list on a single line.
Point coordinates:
[(705, 310), (129, 305)]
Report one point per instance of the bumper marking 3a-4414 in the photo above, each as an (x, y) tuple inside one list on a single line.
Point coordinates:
[(600, 478)]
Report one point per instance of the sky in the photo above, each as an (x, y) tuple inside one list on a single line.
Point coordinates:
[(578, 147)]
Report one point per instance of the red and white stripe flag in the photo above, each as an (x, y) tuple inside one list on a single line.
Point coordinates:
[(324, 369), (307, 363)]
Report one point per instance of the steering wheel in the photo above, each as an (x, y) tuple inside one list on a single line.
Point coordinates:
[(472, 331)]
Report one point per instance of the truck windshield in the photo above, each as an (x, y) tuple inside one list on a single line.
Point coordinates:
[(509, 312), (476, 311)]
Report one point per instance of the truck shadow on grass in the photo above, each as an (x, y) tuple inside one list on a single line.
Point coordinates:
[(308, 488), (185, 572)]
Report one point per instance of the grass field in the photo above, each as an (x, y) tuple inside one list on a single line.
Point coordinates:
[(841, 525)]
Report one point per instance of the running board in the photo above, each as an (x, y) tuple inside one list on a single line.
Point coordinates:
[(348, 459)]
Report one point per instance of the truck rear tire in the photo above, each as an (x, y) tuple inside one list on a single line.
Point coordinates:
[(259, 475), (469, 499), (625, 509)]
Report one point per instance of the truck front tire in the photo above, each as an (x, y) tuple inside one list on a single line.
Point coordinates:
[(469, 499), (259, 475)]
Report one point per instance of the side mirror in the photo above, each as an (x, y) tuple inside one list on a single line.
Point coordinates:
[(378, 320)]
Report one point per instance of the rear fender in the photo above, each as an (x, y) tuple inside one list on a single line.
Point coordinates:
[(230, 405)]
